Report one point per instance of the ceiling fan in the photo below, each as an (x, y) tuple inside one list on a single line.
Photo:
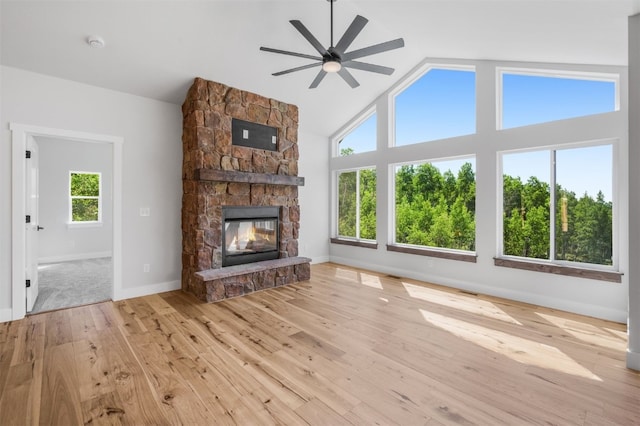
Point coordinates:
[(335, 58)]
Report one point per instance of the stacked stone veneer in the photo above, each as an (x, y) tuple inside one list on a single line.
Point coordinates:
[(207, 113)]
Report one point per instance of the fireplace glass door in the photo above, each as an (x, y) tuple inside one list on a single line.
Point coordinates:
[(249, 240)]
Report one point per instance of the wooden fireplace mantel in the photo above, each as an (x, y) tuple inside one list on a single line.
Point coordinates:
[(246, 177)]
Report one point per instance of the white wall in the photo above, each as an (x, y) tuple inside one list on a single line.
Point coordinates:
[(5, 217), (586, 296), (152, 163), (633, 352), (314, 221), (57, 241)]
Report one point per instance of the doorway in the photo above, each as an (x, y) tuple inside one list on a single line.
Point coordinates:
[(21, 209), (75, 221)]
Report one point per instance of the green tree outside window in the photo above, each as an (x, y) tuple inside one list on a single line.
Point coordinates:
[(436, 209), (357, 204), (85, 197), (583, 224)]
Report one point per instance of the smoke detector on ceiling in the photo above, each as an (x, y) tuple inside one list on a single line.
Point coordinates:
[(95, 42)]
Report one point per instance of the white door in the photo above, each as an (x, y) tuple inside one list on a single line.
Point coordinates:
[(32, 228)]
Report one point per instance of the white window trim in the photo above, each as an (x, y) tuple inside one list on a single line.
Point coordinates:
[(84, 224), (536, 72), (392, 202), (614, 267), (336, 215)]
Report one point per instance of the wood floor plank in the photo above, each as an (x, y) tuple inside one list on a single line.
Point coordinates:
[(128, 318), (178, 401), (104, 409), (82, 324), (347, 347), (278, 411), (7, 351), (29, 343), (23, 395), (315, 412), (364, 414), (60, 397), (123, 372), (58, 330)]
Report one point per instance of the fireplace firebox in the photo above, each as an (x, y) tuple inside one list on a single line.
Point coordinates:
[(249, 234)]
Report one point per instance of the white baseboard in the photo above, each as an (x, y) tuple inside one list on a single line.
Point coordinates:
[(146, 290), (633, 360), (6, 315), (320, 259), (535, 299), (72, 257)]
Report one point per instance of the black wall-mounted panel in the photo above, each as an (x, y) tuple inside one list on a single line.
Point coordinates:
[(253, 135)]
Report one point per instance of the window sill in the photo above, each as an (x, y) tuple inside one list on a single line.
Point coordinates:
[(355, 243), (465, 257), (570, 271), (79, 225)]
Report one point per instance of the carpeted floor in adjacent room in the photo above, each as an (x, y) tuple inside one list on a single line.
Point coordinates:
[(67, 284)]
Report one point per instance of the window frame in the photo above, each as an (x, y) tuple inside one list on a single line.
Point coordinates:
[(486, 144), (549, 73), (552, 261), (408, 82), (457, 254), (85, 223), (336, 215)]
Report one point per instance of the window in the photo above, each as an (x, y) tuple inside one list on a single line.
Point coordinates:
[(85, 204), (357, 204), (440, 104), (435, 204), (360, 139), (558, 204), (532, 99)]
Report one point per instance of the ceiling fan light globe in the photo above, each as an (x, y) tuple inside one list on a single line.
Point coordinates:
[(331, 66)]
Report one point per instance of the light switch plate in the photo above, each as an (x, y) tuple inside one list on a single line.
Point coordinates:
[(245, 134)]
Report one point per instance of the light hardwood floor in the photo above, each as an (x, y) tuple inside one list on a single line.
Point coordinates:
[(347, 347)]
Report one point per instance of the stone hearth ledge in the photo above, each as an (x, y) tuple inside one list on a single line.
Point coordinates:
[(222, 283)]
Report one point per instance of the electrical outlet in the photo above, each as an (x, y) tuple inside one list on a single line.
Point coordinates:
[(145, 211), (245, 134), (146, 267)]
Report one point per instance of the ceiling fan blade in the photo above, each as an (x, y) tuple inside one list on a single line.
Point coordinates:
[(310, 38), (372, 50), (318, 79), (368, 67), (346, 76), (304, 67), (352, 32), (286, 52)]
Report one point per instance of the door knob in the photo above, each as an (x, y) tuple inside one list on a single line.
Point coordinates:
[(39, 227)]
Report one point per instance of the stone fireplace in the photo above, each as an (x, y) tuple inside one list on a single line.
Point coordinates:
[(240, 211)]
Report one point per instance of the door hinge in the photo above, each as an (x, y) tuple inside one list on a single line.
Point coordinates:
[(28, 218), (28, 154), (28, 283)]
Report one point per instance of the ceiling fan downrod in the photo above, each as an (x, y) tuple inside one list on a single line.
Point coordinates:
[(331, 36)]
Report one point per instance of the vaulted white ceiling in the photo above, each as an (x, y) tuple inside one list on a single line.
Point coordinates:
[(156, 48)]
